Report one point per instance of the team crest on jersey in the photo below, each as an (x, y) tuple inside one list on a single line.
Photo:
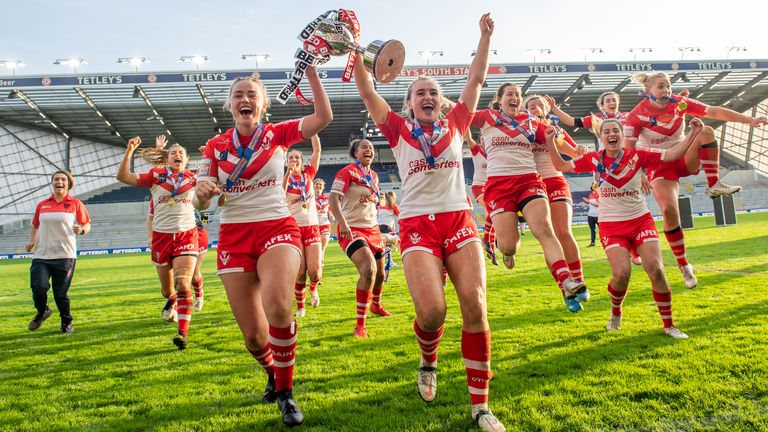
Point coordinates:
[(224, 257), (66, 205), (162, 178), (492, 204), (157, 256), (415, 238)]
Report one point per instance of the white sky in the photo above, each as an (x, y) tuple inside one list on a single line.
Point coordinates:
[(41, 31)]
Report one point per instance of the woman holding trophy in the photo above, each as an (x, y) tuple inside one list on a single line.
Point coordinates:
[(259, 242), (436, 224)]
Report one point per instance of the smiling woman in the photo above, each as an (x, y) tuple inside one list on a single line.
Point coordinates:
[(174, 232)]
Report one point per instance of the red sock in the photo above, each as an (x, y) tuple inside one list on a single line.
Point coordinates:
[(300, 292), (283, 344), (490, 233), (184, 308), (170, 301), (560, 273), (313, 285), (197, 284), (576, 271), (428, 342), (617, 299), (363, 298), (376, 299), (264, 357), (664, 303), (676, 239), (476, 350), (709, 154)]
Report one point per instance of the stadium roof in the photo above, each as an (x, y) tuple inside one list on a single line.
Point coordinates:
[(111, 107)]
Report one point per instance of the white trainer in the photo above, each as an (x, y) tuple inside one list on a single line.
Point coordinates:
[(572, 287), (509, 261), (427, 383), (720, 188), (170, 315), (688, 277), (614, 323), (198, 306), (314, 298), (675, 333), (300, 313), (487, 421)]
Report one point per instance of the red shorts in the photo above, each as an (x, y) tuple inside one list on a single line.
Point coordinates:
[(477, 192), (439, 234), (672, 170), (557, 189), (325, 230), (511, 193), (629, 234), (202, 241), (167, 246), (371, 236), (241, 244), (309, 234)]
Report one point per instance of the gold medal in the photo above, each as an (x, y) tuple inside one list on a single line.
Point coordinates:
[(304, 205), (171, 202), (222, 200)]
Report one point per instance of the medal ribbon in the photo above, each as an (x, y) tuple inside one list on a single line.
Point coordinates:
[(425, 143), (299, 184), (176, 183), (245, 154), (600, 173), (528, 134), (367, 181)]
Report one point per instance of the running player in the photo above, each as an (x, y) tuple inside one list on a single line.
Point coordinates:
[(324, 219), (625, 222), (436, 225), (354, 198), (259, 252), (658, 122), (558, 191), (174, 234), (299, 194), (513, 185)]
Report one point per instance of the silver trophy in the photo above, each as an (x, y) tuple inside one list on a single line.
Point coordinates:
[(384, 60)]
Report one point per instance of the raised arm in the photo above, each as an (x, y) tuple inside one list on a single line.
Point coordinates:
[(315, 159), (323, 114), (725, 114), (562, 115), (377, 107), (479, 67), (124, 173), (679, 150), (554, 154)]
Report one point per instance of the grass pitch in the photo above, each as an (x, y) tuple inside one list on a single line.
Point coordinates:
[(553, 370)]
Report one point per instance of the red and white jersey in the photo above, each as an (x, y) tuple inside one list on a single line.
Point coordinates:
[(388, 214), (358, 195), (620, 196), (171, 214), (430, 191), (322, 205), (480, 161), (55, 221), (541, 156), (587, 121), (258, 194), (509, 150), (303, 210), (660, 128)]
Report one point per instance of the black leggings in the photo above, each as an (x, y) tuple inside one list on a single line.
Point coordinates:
[(592, 221), (60, 271)]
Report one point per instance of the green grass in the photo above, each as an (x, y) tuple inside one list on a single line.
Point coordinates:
[(553, 370)]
